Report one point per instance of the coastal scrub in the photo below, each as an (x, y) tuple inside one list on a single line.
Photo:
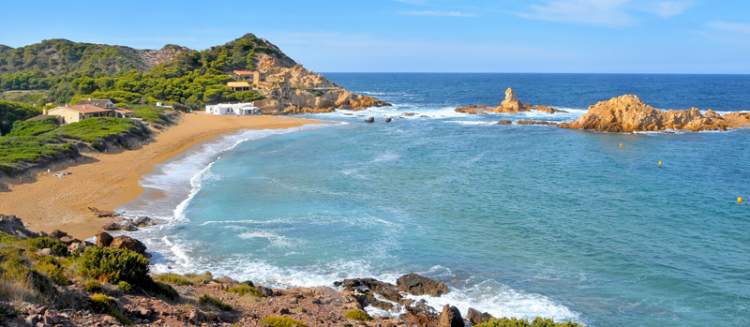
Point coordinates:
[(279, 321)]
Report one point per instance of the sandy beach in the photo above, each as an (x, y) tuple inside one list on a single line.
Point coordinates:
[(112, 180)]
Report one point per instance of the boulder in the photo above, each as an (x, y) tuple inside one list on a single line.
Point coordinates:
[(76, 247), (419, 285), (510, 105), (504, 122), (388, 119), (450, 317), (126, 242), (370, 120), (475, 317), (12, 225), (58, 234), (536, 122), (363, 285), (103, 239), (142, 221), (420, 314)]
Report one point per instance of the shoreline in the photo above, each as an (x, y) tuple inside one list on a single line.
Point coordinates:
[(109, 181)]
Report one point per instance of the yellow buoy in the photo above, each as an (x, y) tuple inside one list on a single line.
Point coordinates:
[(739, 200), (661, 163)]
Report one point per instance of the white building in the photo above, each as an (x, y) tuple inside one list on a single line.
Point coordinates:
[(232, 109)]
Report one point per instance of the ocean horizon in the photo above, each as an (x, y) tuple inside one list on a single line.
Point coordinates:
[(519, 221)]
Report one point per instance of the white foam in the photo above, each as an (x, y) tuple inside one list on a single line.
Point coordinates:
[(472, 122), (273, 239)]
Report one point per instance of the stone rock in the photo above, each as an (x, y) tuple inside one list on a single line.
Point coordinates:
[(388, 119), (44, 252), (12, 225), (264, 290), (67, 239), (504, 122), (58, 234), (126, 242), (420, 285), (370, 120), (450, 317), (364, 290), (103, 239), (510, 105), (142, 221), (627, 113), (475, 317), (76, 247), (420, 314), (535, 122)]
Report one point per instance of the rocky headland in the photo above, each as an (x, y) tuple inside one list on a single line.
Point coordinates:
[(627, 113), (53, 279), (509, 105)]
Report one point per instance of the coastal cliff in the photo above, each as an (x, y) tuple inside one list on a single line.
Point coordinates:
[(628, 113), (509, 105)]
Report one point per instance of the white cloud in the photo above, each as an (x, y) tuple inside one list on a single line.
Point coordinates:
[(437, 13), (731, 27), (594, 12), (668, 9)]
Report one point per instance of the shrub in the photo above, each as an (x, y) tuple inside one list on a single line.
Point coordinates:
[(279, 321), (57, 248), (161, 290), (33, 127), (53, 269), (95, 129), (245, 289), (104, 304), (92, 286), (115, 265), (207, 300), (17, 152), (357, 314), (125, 286), (513, 322)]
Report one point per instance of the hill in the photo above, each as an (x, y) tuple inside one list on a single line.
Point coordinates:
[(174, 74)]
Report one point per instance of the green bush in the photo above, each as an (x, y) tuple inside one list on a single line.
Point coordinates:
[(245, 289), (92, 286), (538, 322), (104, 304), (161, 290), (10, 112), (151, 114), (115, 265), (52, 268), (207, 300), (279, 321), (95, 129), (34, 127), (18, 151), (125, 286), (357, 314), (57, 248), (174, 279)]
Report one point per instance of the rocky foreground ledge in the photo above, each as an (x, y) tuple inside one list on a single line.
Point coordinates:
[(510, 105), (56, 280), (627, 113)]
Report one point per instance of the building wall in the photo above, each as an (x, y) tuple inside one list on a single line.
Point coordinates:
[(68, 115)]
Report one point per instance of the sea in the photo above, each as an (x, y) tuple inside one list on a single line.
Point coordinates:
[(518, 220)]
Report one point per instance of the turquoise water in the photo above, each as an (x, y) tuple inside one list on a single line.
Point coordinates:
[(519, 220)]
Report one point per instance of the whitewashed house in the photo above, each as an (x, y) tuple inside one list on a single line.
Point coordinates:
[(232, 109)]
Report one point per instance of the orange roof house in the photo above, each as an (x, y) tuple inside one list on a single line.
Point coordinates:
[(76, 113)]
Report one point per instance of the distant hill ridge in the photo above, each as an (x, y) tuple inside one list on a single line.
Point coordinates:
[(61, 56)]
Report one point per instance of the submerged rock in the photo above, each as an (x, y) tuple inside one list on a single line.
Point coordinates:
[(504, 122), (370, 120), (628, 113), (419, 285)]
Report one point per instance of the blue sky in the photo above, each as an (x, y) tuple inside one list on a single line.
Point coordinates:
[(615, 36)]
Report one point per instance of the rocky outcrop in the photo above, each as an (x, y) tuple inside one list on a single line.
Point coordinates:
[(475, 317), (628, 113), (510, 104), (12, 225), (420, 285), (450, 317), (126, 242), (294, 89)]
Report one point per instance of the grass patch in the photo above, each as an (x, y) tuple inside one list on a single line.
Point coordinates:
[(53, 269), (245, 289), (150, 114), (95, 129), (92, 286), (184, 280), (34, 127), (538, 322), (279, 321), (115, 265), (161, 290), (104, 304), (125, 287), (357, 314), (210, 301)]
